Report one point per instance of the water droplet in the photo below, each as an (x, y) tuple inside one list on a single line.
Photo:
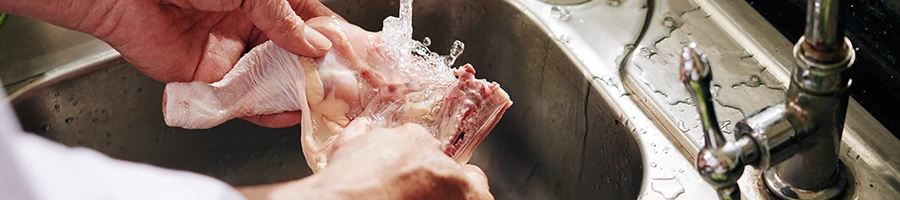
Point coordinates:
[(95, 120), (426, 41), (753, 81), (724, 124), (69, 120), (669, 188), (103, 111), (560, 13), (56, 107), (455, 50), (655, 152), (680, 170), (614, 2), (652, 144), (563, 38), (653, 165), (140, 89), (75, 103), (669, 22), (46, 127), (683, 127), (643, 131), (108, 134)]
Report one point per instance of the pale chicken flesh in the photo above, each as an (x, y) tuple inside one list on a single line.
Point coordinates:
[(358, 85)]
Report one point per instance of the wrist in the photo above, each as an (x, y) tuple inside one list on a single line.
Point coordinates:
[(79, 15), (307, 188)]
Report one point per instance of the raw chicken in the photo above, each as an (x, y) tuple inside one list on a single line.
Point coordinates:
[(360, 84)]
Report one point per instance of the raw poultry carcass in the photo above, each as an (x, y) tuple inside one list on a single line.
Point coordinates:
[(365, 81)]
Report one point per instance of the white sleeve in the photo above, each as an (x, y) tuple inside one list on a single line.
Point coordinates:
[(32, 167)]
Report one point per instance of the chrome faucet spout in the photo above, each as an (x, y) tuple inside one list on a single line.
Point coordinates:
[(795, 142), (824, 25)]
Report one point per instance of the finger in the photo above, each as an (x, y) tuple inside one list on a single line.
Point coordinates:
[(207, 5), (222, 51), (308, 9), (282, 25), (475, 174), (280, 120), (479, 187)]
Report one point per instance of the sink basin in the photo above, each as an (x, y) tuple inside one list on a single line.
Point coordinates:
[(562, 139)]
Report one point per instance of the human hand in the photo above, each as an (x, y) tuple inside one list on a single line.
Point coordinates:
[(401, 163), (191, 40), (201, 40)]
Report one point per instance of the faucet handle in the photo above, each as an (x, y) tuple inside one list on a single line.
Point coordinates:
[(718, 162), (696, 76)]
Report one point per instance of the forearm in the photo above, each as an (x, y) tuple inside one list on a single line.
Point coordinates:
[(80, 15), (316, 186)]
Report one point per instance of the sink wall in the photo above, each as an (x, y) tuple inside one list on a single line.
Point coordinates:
[(563, 138)]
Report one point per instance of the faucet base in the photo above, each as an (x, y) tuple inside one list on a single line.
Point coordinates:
[(784, 190)]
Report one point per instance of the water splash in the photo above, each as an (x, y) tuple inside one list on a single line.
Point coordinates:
[(421, 49), (455, 50), (669, 188), (397, 33)]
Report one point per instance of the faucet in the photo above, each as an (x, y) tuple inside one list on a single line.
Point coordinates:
[(796, 142)]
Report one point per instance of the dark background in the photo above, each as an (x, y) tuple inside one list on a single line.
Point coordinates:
[(874, 28)]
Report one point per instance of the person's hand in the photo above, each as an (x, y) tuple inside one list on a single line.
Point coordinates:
[(400, 163), (188, 40), (201, 40)]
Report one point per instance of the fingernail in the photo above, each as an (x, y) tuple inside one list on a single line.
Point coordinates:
[(316, 39)]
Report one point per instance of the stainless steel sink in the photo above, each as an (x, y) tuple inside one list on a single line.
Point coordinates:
[(563, 139)]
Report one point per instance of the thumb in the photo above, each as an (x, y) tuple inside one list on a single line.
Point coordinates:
[(479, 187), (282, 25), (475, 175)]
